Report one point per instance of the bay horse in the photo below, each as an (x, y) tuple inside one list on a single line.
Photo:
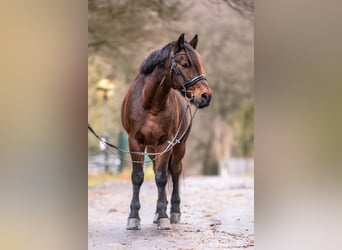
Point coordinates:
[(155, 112)]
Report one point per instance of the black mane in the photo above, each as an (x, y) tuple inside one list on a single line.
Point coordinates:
[(157, 57)]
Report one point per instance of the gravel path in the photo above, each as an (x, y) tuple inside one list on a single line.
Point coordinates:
[(217, 213)]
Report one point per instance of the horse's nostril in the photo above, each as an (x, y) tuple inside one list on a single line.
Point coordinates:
[(205, 97)]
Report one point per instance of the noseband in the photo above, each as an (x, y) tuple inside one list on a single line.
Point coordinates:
[(185, 84)]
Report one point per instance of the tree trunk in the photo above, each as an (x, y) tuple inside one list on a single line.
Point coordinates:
[(218, 147)]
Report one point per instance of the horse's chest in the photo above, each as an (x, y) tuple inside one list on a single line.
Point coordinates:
[(154, 131), (152, 127)]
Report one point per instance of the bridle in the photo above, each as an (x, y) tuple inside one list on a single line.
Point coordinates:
[(185, 84)]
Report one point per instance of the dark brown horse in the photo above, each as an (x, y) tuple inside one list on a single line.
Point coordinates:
[(157, 118)]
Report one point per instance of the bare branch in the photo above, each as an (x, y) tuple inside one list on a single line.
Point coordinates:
[(244, 7)]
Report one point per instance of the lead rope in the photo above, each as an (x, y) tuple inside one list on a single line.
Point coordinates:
[(170, 145)]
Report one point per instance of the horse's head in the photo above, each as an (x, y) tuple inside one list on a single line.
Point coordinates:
[(187, 72)]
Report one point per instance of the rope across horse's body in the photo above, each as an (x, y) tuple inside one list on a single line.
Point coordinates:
[(171, 143)]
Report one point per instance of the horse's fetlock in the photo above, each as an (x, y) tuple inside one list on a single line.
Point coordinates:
[(135, 205), (175, 200)]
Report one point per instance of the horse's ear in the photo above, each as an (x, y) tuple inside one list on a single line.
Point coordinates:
[(180, 42), (194, 41)]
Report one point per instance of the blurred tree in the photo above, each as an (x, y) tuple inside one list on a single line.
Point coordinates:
[(226, 44), (119, 31), (123, 32), (244, 132), (244, 7), (119, 35), (123, 144)]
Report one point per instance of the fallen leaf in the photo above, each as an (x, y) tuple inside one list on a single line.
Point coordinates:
[(112, 210)]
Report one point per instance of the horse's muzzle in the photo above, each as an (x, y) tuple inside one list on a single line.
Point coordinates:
[(203, 101)]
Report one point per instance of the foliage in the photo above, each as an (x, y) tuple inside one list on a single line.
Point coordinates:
[(243, 145), (119, 35), (121, 32), (244, 7)]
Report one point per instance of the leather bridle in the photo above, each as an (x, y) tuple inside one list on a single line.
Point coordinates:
[(185, 84)]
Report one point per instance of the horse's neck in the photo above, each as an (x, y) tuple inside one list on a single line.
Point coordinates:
[(156, 91)]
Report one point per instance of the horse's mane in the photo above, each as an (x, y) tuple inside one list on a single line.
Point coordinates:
[(160, 56), (157, 57)]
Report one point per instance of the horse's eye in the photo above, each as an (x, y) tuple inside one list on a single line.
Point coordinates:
[(185, 65)]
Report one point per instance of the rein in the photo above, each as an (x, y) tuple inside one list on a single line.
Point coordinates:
[(170, 145)]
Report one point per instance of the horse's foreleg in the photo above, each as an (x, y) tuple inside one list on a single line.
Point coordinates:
[(175, 198), (176, 167), (163, 220), (137, 178)]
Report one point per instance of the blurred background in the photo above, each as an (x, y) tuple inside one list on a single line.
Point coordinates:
[(122, 33), (44, 111)]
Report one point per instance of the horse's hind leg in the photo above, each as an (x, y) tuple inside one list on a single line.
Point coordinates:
[(175, 168), (137, 177)]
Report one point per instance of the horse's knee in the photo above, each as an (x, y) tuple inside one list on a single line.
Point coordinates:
[(161, 178), (137, 178)]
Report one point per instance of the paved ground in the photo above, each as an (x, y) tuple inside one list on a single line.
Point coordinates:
[(217, 213)]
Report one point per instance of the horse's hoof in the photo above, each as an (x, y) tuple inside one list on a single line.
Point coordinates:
[(133, 224), (155, 220), (175, 217), (164, 224)]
